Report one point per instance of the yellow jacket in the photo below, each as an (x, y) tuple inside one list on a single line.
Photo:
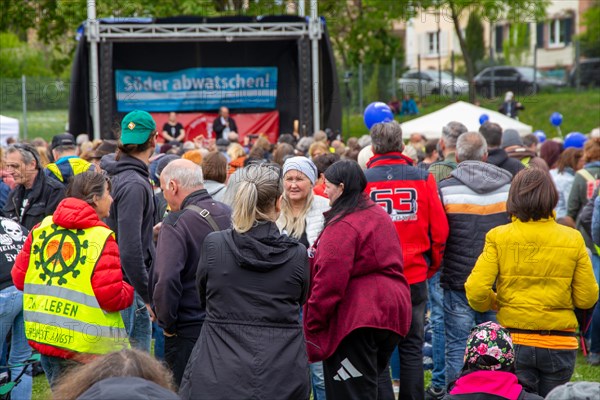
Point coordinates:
[(542, 271)]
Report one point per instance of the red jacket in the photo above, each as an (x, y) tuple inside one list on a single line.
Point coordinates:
[(356, 282), (410, 196), (112, 293)]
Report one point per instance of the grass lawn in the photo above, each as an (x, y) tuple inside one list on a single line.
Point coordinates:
[(581, 111), (43, 124)]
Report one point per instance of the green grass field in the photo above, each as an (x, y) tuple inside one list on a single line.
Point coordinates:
[(581, 112)]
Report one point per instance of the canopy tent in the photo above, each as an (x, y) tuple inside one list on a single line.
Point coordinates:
[(9, 127), (431, 124)]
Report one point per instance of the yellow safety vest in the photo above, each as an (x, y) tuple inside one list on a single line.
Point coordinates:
[(59, 305), (69, 168)]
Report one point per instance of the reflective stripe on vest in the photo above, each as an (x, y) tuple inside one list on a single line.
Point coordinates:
[(69, 168), (59, 305)]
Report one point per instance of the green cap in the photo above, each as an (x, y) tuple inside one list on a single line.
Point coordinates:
[(136, 127)]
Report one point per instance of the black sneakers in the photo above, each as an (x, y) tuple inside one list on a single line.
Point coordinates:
[(433, 393)]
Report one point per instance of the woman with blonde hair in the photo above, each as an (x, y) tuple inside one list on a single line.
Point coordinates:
[(125, 374), (236, 153), (302, 218), (252, 281)]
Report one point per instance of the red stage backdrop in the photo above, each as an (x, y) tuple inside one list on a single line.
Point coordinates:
[(196, 124)]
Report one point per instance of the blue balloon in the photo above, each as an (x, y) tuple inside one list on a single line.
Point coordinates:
[(483, 119), (377, 112), (575, 139), (540, 135), (556, 119)]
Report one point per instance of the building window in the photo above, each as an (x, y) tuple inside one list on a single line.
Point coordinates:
[(434, 43), (556, 33)]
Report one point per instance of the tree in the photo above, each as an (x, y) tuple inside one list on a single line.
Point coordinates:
[(490, 10), (56, 21), (518, 44), (474, 38), (590, 39), (362, 30)]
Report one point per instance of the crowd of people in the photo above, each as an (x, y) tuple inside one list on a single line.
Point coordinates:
[(306, 267)]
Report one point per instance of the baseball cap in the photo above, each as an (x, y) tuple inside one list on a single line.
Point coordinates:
[(64, 139), (136, 127)]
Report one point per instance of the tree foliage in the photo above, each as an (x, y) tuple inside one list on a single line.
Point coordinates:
[(490, 10), (474, 38), (590, 39), (363, 30), (518, 44)]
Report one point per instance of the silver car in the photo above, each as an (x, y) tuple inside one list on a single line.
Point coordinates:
[(409, 83)]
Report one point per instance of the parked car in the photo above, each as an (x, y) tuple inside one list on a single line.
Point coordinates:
[(519, 80), (590, 73), (409, 83)]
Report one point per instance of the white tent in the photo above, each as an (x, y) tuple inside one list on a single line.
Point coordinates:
[(431, 124), (9, 127)]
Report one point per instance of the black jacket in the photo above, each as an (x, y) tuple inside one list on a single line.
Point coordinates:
[(500, 158), (132, 217), (218, 127), (173, 277), (252, 286), (45, 195)]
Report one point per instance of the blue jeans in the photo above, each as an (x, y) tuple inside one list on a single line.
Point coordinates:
[(317, 380), (595, 329), (540, 370), (159, 341), (138, 325), (436, 302), (54, 367), (459, 319), (11, 317)]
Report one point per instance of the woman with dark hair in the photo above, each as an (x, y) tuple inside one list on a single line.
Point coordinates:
[(359, 304), (563, 173), (252, 281), (489, 369), (70, 273), (534, 272)]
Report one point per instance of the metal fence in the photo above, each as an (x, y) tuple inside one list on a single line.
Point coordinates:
[(40, 94)]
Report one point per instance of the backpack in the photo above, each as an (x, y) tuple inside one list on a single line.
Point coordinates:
[(584, 218)]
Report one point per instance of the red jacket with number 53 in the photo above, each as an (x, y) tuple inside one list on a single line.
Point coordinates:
[(410, 196)]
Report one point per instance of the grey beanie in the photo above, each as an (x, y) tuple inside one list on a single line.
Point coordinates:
[(302, 164), (510, 137), (575, 391)]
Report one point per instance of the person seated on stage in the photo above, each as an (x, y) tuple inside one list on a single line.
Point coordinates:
[(172, 130), (409, 107), (224, 124)]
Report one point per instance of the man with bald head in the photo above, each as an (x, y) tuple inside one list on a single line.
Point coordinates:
[(194, 214), (224, 124)]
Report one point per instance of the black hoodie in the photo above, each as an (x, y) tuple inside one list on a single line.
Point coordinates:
[(500, 158), (132, 217), (252, 286)]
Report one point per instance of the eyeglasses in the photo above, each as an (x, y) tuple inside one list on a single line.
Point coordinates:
[(30, 150)]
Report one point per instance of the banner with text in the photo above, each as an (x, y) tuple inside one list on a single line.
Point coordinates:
[(196, 89)]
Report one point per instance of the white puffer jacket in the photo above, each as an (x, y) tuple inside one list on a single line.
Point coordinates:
[(315, 219)]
